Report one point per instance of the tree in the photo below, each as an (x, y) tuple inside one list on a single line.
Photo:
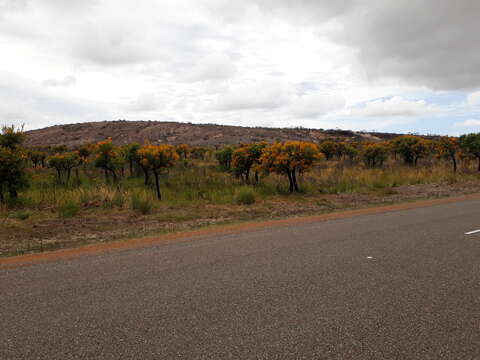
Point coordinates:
[(329, 149), (13, 177), (12, 137), (351, 152), (107, 157), (411, 148), (224, 158), (37, 157), (130, 152), (470, 144), (244, 158), (199, 152), (448, 147), (157, 158), (183, 150), (290, 158), (64, 163), (374, 154)]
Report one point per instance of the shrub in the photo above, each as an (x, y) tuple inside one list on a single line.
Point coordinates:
[(68, 208), (142, 202), (21, 215), (244, 196)]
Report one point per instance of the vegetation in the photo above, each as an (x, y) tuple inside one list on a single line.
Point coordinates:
[(179, 183)]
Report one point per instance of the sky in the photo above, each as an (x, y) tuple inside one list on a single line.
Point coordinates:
[(375, 65)]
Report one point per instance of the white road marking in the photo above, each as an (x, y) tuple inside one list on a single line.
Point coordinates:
[(369, 257), (472, 232)]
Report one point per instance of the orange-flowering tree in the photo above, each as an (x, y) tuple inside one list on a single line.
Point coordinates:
[(374, 154), (290, 158), (447, 147), (246, 157), (157, 158), (107, 157)]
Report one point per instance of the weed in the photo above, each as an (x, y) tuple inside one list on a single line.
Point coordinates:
[(142, 201), (68, 208), (244, 195), (21, 215)]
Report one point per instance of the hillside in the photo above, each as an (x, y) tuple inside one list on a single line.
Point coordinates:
[(123, 132)]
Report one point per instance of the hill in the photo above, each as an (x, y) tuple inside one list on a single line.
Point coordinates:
[(123, 132)]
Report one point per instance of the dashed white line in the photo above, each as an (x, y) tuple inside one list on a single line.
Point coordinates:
[(472, 232)]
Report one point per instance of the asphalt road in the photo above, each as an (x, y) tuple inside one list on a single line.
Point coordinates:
[(398, 285)]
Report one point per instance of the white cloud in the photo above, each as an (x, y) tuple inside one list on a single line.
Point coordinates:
[(266, 95), (212, 67), (473, 99), (311, 106), (468, 123), (64, 82), (396, 106), (145, 102)]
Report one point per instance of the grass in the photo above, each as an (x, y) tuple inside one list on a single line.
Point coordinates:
[(197, 193), (244, 195), (68, 208)]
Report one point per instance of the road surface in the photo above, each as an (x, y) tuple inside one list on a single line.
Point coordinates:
[(396, 285)]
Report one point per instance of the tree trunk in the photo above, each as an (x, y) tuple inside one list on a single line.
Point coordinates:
[(13, 193), (256, 177), (294, 178), (106, 176), (247, 176), (290, 180), (454, 160), (131, 167), (114, 175), (147, 175), (157, 186), (68, 176)]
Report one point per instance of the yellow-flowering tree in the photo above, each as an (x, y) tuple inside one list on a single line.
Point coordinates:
[(157, 158), (447, 147), (107, 157), (411, 148), (183, 150), (12, 162), (290, 158), (374, 154), (245, 158), (64, 163)]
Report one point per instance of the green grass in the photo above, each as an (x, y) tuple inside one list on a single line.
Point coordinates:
[(199, 183), (244, 195)]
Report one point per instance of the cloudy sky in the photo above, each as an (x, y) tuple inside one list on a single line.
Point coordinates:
[(401, 66)]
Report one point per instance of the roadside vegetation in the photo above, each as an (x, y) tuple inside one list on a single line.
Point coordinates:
[(56, 197)]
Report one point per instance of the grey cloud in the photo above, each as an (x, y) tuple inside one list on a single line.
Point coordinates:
[(431, 43)]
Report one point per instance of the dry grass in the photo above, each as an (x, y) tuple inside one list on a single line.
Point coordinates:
[(200, 195)]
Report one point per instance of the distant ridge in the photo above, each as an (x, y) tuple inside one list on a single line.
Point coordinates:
[(123, 132)]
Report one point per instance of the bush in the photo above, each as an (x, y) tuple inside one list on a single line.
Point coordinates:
[(21, 215), (142, 202), (244, 196), (68, 208)]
